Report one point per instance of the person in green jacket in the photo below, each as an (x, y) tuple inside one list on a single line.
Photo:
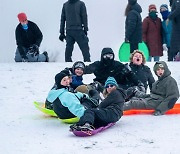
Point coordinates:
[(163, 95)]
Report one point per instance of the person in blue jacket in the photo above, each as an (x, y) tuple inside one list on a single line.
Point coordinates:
[(167, 28), (67, 104)]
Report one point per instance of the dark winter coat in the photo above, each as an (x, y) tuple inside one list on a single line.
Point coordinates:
[(165, 92), (144, 74), (110, 110), (75, 15), (152, 35), (116, 69), (167, 29), (133, 24), (175, 17), (26, 38)]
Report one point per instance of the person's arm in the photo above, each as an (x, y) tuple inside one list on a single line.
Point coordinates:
[(145, 29), (91, 67), (63, 19), (84, 17), (151, 79)]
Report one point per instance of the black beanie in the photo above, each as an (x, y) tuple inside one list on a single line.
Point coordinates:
[(78, 64), (58, 79)]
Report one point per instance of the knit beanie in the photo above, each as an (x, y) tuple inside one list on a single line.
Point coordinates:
[(152, 6), (157, 66), (164, 6), (58, 79), (111, 81), (22, 17), (78, 64)]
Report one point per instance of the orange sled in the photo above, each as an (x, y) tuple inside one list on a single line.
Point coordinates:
[(174, 110)]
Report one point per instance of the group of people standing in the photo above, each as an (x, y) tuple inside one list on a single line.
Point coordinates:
[(158, 35)]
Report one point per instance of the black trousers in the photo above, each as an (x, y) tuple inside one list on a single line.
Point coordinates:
[(133, 46), (82, 40), (99, 117)]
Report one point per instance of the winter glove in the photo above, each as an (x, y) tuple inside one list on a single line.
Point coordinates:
[(141, 87), (126, 69), (131, 91), (157, 113), (165, 47), (85, 32), (62, 37), (33, 49), (126, 40)]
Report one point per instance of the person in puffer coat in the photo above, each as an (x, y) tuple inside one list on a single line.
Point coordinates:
[(133, 24), (163, 96), (65, 103)]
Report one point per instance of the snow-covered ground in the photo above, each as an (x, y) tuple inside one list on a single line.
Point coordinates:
[(25, 130)]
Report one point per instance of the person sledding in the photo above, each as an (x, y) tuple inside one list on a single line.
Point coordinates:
[(67, 104), (110, 109), (163, 95)]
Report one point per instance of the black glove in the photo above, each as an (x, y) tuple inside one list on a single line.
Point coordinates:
[(33, 49), (62, 37), (126, 69), (141, 87), (126, 40), (85, 32), (131, 92)]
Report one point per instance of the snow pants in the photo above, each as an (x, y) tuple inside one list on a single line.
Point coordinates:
[(82, 40), (99, 117), (31, 57)]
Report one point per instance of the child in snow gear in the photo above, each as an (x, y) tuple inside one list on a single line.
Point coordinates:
[(163, 95), (67, 104), (74, 16), (28, 40), (110, 109)]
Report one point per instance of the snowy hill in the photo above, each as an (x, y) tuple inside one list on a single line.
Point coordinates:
[(24, 130)]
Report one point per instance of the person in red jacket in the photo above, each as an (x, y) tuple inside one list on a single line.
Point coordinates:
[(152, 33)]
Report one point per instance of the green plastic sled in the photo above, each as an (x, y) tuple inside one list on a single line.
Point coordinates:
[(41, 106), (124, 51)]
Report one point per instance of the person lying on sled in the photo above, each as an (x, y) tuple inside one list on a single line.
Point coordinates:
[(163, 95), (110, 109), (67, 104)]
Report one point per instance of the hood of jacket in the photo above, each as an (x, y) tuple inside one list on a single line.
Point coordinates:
[(72, 1), (132, 2), (162, 64), (136, 7), (106, 51)]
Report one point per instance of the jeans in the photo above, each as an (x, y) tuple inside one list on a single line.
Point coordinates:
[(156, 58)]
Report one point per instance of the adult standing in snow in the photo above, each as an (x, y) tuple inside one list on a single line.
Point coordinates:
[(167, 28), (133, 24), (152, 33), (175, 18), (28, 40), (74, 16), (107, 66), (163, 96)]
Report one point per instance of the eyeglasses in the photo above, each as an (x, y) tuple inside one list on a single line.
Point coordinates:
[(109, 55), (109, 86)]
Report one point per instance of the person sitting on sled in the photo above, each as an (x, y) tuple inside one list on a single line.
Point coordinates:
[(110, 109), (67, 104), (163, 95), (76, 75)]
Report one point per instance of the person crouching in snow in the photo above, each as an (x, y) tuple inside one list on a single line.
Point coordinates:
[(28, 40), (110, 109), (67, 104), (163, 95)]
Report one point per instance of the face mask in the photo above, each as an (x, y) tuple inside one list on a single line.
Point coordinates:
[(25, 26), (165, 14), (153, 15)]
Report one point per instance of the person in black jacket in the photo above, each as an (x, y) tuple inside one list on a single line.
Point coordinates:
[(110, 109), (107, 66), (28, 40), (133, 24), (74, 16), (142, 71)]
